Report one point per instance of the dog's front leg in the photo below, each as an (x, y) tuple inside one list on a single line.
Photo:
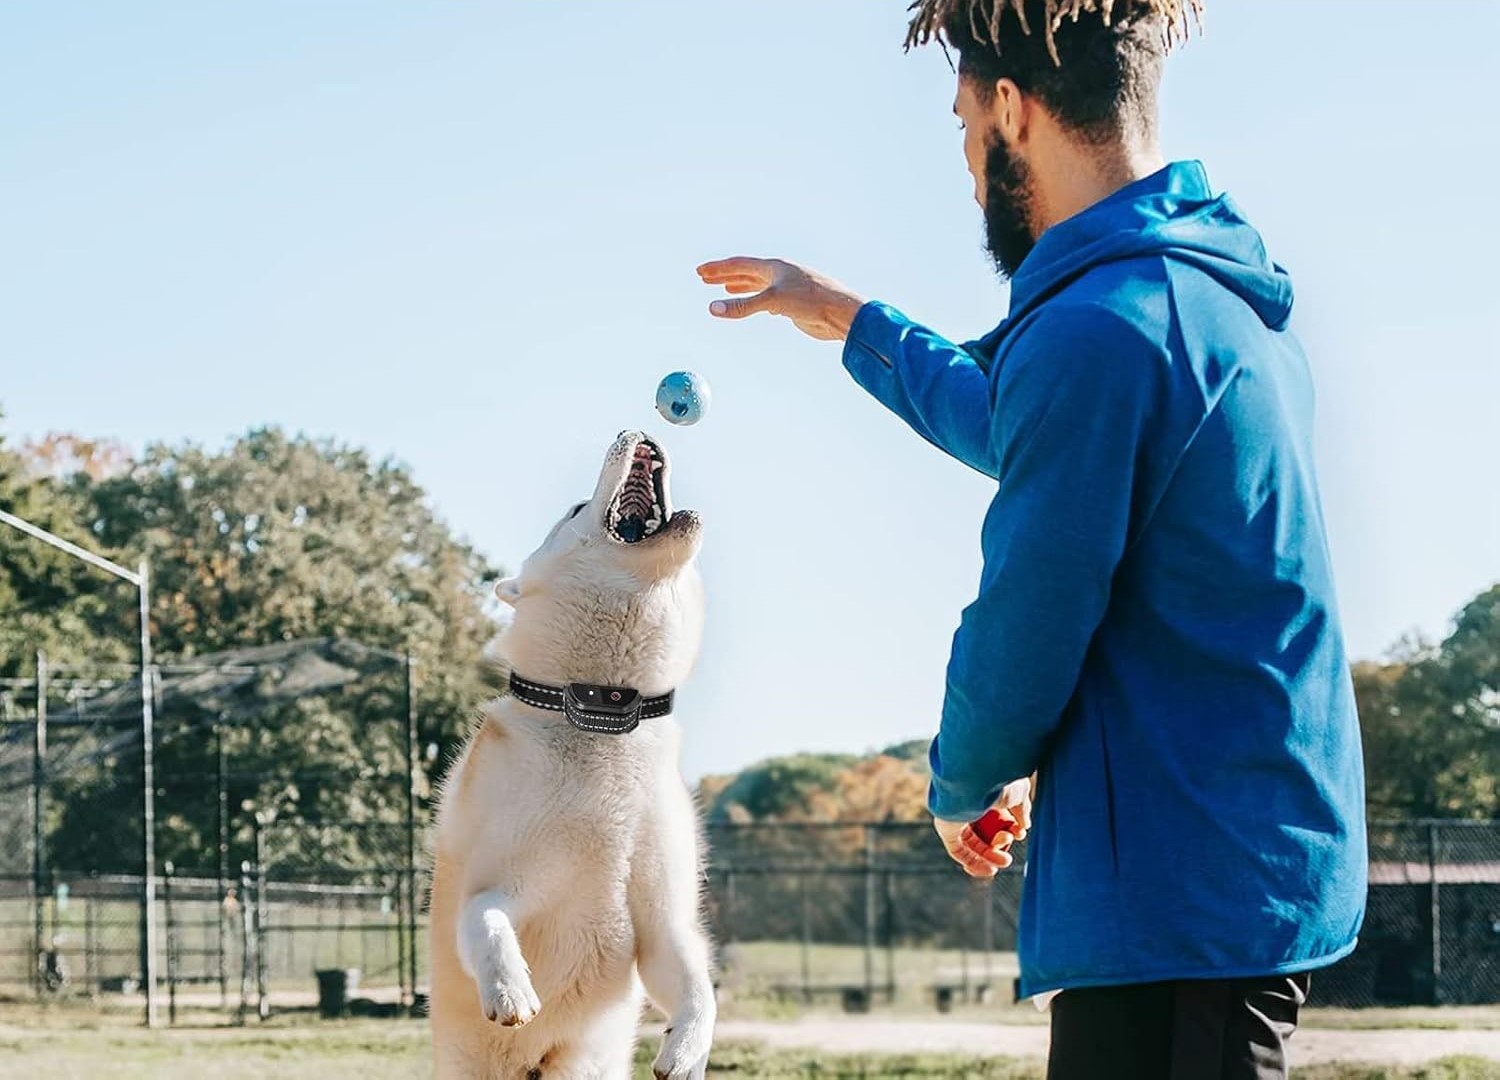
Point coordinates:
[(490, 953), (673, 959)]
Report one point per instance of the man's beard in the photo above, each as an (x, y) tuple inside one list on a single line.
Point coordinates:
[(1008, 206)]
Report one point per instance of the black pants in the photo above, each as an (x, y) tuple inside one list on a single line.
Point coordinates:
[(1230, 1029)]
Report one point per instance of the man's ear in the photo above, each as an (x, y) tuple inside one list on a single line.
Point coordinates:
[(1010, 112), (508, 590)]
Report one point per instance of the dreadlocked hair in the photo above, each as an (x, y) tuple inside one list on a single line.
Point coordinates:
[(985, 16), (1095, 64)]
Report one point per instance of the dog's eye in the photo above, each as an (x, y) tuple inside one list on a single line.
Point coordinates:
[(575, 511)]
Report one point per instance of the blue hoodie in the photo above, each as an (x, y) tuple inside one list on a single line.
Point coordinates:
[(1155, 632)]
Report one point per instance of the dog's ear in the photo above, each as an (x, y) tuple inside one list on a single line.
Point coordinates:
[(508, 590)]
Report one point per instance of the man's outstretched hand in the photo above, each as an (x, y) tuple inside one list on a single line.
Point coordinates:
[(820, 307)]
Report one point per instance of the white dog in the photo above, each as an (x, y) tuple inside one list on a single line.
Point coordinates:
[(567, 862)]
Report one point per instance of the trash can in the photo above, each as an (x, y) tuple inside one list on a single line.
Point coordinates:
[(856, 999), (334, 987)]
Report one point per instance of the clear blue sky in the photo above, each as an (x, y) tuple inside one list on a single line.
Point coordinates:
[(464, 233)]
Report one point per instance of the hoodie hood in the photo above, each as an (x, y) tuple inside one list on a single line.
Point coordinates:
[(1173, 214)]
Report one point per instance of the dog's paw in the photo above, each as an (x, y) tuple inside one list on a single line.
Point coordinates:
[(510, 1002), (684, 1053)]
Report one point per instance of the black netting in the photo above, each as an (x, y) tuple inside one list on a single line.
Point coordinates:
[(1432, 925), (271, 861), (299, 867)]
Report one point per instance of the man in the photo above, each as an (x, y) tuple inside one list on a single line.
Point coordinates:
[(1155, 634)]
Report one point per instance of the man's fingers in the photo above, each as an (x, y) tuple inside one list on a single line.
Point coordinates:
[(975, 866), (969, 862), (992, 852), (740, 285), (737, 307), (760, 281), (975, 856), (721, 270)]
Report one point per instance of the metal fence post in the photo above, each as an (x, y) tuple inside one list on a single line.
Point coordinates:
[(262, 1004), (247, 952), (963, 964), (38, 810), (90, 942), (411, 831), (869, 913), (806, 949), (729, 933), (889, 882), (221, 832), (171, 931), (1435, 913), (401, 942), (988, 929), (52, 966), (148, 798)]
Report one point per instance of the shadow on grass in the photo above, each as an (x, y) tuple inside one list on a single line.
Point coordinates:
[(757, 1063)]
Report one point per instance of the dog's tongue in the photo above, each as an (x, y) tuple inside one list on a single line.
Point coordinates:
[(631, 529)]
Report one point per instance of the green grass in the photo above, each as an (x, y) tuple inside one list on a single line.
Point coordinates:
[(764, 965), (1446, 1069), (1444, 1018), (63, 1044)]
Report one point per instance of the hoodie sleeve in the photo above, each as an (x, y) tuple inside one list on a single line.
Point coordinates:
[(933, 384), (1074, 402)]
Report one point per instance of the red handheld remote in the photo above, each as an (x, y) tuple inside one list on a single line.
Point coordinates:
[(992, 825)]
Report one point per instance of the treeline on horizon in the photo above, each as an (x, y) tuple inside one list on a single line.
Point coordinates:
[(276, 537)]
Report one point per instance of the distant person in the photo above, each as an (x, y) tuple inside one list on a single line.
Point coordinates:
[(1155, 635)]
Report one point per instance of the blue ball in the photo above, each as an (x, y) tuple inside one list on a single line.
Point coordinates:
[(682, 397)]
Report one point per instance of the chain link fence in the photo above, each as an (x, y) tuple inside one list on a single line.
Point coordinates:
[(849, 915), (865, 913), (857, 914), (293, 912), (1432, 929), (271, 898), (246, 948)]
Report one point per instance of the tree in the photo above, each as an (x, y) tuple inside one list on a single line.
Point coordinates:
[(274, 538), (60, 455), (50, 600), (1431, 721), (1430, 717), (881, 788), (781, 788)]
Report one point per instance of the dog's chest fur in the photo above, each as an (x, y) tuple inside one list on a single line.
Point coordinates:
[(568, 817)]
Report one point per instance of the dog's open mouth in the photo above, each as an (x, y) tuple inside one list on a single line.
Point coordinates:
[(639, 510)]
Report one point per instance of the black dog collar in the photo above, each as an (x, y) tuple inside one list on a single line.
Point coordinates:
[(610, 710)]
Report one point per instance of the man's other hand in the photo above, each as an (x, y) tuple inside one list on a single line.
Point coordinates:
[(818, 306), (984, 859)]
